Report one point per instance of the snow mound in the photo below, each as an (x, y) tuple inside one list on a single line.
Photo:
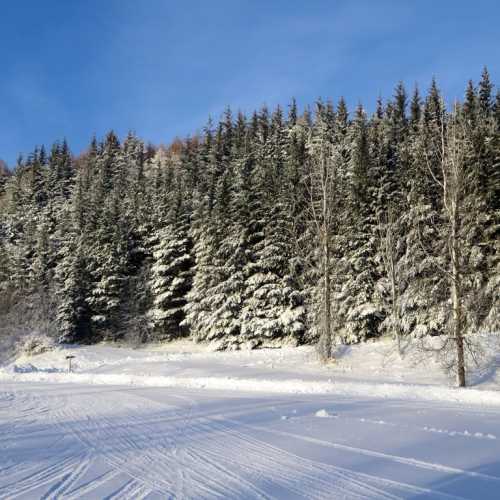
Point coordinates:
[(322, 414), (325, 414)]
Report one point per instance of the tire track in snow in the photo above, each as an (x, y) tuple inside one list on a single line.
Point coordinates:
[(205, 476), (202, 479), (70, 479), (131, 490), (29, 414), (265, 457), (377, 454), (125, 463), (183, 452), (194, 463), (62, 473), (365, 481), (98, 433), (296, 474), (44, 476), (375, 489), (92, 485)]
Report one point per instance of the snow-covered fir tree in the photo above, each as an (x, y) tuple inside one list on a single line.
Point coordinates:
[(171, 271)]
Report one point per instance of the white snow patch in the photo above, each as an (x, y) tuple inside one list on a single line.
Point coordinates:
[(322, 414)]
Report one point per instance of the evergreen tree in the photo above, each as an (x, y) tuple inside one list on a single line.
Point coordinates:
[(171, 273), (73, 316), (356, 311), (485, 93)]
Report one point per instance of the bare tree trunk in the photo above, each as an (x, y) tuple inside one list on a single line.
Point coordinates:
[(390, 263), (396, 322), (323, 179), (456, 295), (327, 327), (453, 153)]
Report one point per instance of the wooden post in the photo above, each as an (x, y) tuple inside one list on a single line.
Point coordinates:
[(69, 358)]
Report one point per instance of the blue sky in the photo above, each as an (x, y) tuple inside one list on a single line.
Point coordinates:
[(72, 68)]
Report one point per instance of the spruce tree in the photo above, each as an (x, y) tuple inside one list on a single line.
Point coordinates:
[(356, 312), (171, 272)]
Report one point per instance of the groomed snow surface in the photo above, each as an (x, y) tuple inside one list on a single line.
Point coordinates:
[(179, 421)]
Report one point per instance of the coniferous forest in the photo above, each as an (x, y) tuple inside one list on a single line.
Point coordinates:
[(281, 227)]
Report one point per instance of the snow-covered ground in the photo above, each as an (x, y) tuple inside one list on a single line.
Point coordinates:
[(178, 421)]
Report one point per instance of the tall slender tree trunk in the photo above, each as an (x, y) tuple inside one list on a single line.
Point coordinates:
[(395, 308), (327, 326), (324, 193), (390, 267), (456, 296), (454, 150), (391, 259)]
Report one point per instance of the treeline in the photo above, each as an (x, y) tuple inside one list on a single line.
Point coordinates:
[(216, 237)]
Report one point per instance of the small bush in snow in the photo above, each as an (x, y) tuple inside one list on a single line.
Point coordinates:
[(35, 344)]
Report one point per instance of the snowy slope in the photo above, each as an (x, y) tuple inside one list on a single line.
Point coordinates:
[(258, 434)]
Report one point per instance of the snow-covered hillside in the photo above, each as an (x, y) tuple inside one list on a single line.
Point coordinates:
[(179, 421)]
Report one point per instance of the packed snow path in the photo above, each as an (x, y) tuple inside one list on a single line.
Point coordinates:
[(87, 441)]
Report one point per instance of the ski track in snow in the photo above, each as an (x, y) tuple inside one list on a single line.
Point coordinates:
[(205, 426), (127, 445)]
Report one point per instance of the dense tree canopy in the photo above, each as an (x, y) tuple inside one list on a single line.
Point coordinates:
[(211, 237)]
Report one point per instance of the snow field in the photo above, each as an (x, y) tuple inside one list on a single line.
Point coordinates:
[(181, 422)]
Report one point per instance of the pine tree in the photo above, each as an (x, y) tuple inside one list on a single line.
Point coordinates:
[(485, 93), (108, 271), (73, 316), (415, 110), (171, 273), (357, 314), (470, 103), (273, 310)]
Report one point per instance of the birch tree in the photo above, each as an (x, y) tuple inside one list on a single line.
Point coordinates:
[(389, 251), (453, 152), (323, 183)]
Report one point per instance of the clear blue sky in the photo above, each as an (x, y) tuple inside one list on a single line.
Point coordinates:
[(72, 68)]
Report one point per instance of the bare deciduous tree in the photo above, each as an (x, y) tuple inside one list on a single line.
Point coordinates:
[(323, 188), (453, 150), (389, 253)]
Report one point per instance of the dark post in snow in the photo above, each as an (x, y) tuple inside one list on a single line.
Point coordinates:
[(69, 358)]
